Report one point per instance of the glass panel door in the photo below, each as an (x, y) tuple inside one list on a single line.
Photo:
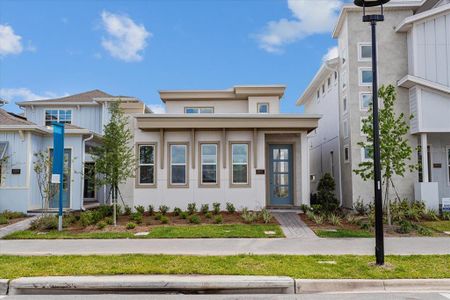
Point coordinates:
[(280, 174)]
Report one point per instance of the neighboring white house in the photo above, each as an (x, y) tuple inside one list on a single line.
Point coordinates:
[(84, 116), (414, 54), (222, 146)]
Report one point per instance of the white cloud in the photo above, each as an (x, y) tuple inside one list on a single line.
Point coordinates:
[(25, 94), (9, 41), (126, 40), (309, 17), (332, 53), (157, 108)]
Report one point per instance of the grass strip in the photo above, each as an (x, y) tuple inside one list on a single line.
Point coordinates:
[(297, 266), (191, 231), (437, 225), (343, 233)]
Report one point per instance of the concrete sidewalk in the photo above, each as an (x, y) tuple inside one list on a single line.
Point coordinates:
[(300, 246), (21, 225)]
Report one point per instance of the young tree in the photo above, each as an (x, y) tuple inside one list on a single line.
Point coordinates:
[(42, 166), (394, 146), (114, 159)]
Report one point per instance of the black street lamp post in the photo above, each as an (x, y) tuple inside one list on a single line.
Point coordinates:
[(373, 19)]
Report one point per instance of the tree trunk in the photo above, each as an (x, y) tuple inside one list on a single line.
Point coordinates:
[(388, 204), (114, 198)]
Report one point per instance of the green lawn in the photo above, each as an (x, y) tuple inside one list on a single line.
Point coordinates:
[(346, 266), (438, 225), (343, 233), (191, 231)]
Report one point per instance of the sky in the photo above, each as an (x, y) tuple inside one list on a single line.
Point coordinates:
[(56, 48)]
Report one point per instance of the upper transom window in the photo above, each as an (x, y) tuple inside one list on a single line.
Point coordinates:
[(58, 115), (199, 110), (263, 108)]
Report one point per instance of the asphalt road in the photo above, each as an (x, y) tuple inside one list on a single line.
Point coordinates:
[(346, 296)]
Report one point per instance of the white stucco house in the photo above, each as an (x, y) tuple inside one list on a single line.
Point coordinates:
[(222, 146), (21, 137)]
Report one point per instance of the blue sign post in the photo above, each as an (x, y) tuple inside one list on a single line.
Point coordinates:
[(58, 165)]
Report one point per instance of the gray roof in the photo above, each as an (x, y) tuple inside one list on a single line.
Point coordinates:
[(7, 118), (81, 97)]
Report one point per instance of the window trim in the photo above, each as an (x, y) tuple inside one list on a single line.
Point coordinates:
[(155, 168), (169, 165), (347, 160), (360, 58), (344, 123), (198, 107), (249, 165), (263, 103), (58, 109), (360, 76), (361, 108), (200, 165)]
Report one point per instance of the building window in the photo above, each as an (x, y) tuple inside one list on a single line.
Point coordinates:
[(178, 164), (362, 120), (323, 89), (448, 165), (365, 154), (146, 168), (344, 104), (60, 116), (208, 160), (365, 76), (346, 153), (199, 110), (332, 163), (329, 82), (364, 52), (345, 129), (365, 101), (344, 80), (335, 76), (239, 161), (89, 180), (263, 108), (318, 95), (419, 160)]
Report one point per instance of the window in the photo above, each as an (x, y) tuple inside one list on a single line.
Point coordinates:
[(329, 82), (55, 115), (448, 165), (366, 154), (344, 80), (365, 76), (335, 76), (178, 164), (364, 52), (199, 110), (209, 162), (419, 153), (318, 95), (89, 180), (3, 148), (323, 89), (345, 129), (239, 161), (365, 101), (263, 108), (146, 168), (362, 120), (346, 153), (344, 104), (332, 163)]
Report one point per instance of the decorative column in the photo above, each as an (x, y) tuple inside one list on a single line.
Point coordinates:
[(424, 152)]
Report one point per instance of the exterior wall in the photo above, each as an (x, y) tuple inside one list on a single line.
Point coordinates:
[(274, 104), (439, 143), (220, 106)]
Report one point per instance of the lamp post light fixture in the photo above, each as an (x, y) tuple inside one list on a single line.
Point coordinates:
[(373, 19)]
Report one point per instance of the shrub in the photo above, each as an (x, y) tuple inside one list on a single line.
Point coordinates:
[(127, 210), (164, 220), (249, 216), (163, 209), (266, 216), (118, 210), (360, 207), (140, 209), (151, 210), (208, 215), (177, 211), (8, 214), (101, 224), (424, 231), (204, 208), (325, 194), (192, 208), (334, 220), (184, 215), (230, 208), (218, 219), (45, 222), (351, 219), (365, 226), (3, 220), (305, 208), (68, 220), (318, 219), (131, 225), (109, 221), (310, 214), (136, 217), (431, 215), (87, 218), (405, 227), (316, 208), (446, 215), (216, 208), (194, 219), (105, 211), (158, 216)]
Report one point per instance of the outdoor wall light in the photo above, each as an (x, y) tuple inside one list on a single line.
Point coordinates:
[(373, 19)]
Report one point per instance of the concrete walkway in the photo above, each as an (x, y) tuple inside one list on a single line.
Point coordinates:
[(292, 225), (21, 225), (301, 246)]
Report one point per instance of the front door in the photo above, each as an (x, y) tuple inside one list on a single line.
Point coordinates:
[(280, 175)]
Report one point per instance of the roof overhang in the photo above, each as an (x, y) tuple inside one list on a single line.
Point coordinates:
[(33, 128), (407, 23), (410, 81), (238, 92), (55, 103), (227, 121)]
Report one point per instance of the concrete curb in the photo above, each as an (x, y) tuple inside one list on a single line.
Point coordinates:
[(308, 286), (152, 283), (4, 286)]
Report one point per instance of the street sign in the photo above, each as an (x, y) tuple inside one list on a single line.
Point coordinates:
[(58, 165)]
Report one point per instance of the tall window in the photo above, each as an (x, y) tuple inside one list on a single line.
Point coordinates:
[(318, 95), (208, 160), (55, 115), (239, 160), (345, 128), (263, 108), (146, 164), (365, 101), (364, 52), (419, 153), (346, 153), (365, 76), (199, 110), (178, 164), (345, 103), (332, 163), (89, 180)]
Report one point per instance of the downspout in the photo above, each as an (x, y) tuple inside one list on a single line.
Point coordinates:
[(83, 155), (339, 118)]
